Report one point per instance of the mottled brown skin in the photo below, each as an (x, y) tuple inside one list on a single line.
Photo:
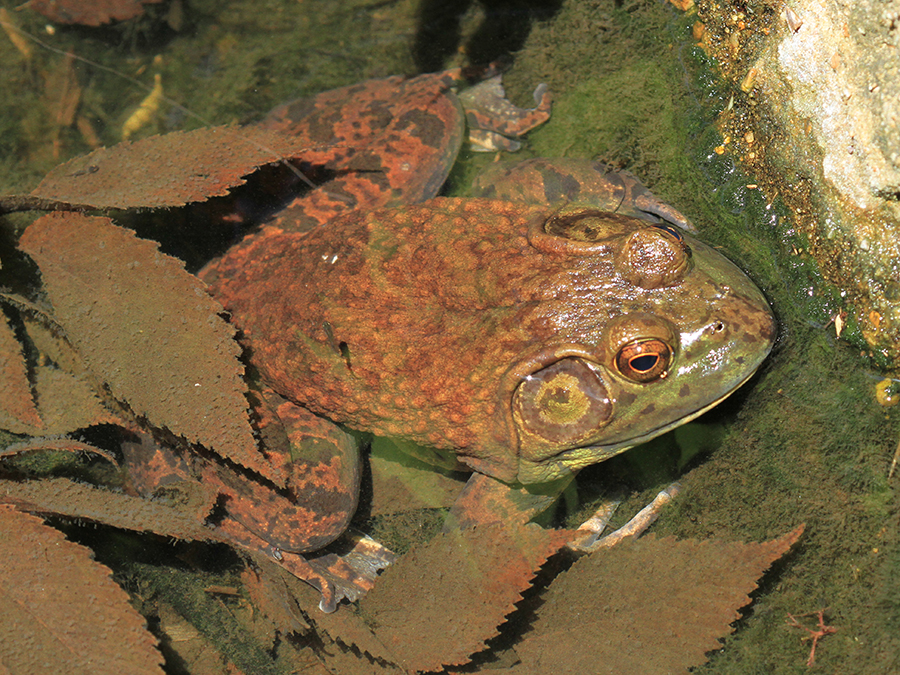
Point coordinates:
[(390, 141), (382, 134), (423, 322)]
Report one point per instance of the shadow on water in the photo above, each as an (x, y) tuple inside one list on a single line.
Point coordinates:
[(503, 31)]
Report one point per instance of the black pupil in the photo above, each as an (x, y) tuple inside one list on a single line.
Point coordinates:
[(644, 362)]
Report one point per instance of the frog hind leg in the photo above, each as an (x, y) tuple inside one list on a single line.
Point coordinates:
[(568, 180), (322, 465), (486, 501), (312, 509)]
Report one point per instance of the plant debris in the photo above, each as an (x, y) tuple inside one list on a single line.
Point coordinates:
[(169, 170), (465, 583), (148, 329)]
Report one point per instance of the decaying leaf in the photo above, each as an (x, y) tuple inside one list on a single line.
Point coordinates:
[(49, 622), (269, 593), (64, 497), (48, 341), (442, 601), (67, 402), (148, 329), (90, 12), (648, 606), (57, 444), (169, 170), (18, 413)]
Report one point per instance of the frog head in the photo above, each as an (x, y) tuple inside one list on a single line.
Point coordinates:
[(673, 329)]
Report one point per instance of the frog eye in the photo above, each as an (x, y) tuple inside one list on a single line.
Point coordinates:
[(645, 360), (562, 403)]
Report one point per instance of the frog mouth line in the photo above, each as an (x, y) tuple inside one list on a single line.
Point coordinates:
[(615, 448)]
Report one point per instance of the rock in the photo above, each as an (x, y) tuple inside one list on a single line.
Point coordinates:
[(822, 81)]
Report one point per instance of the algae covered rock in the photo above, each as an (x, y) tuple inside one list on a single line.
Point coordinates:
[(815, 113)]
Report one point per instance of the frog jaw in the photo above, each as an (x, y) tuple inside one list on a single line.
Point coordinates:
[(571, 461), (712, 338)]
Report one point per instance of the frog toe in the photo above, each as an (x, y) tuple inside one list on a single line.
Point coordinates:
[(589, 539), (488, 109)]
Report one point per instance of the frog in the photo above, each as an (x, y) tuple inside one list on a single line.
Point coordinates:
[(559, 316)]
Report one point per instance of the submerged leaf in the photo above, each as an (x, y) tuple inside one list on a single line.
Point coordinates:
[(67, 402), (18, 412), (442, 601), (648, 606), (64, 497), (146, 328), (60, 611), (170, 170)]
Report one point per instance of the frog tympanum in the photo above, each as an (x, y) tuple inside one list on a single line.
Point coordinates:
[(530, 339)]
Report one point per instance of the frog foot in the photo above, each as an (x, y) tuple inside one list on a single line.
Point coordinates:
[(347, 575), (588, 538), (492, 118)]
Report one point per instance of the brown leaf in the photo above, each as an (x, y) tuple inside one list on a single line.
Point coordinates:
[(648, 606), (148, 329), (56, 444), (18, 412), (442, 601), (345, 625), (268, 593), (61, 496), (60, 611), (169, 170), (90, 12), (67, 402)]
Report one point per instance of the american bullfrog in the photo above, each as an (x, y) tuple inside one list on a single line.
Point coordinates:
[(528, 340)]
